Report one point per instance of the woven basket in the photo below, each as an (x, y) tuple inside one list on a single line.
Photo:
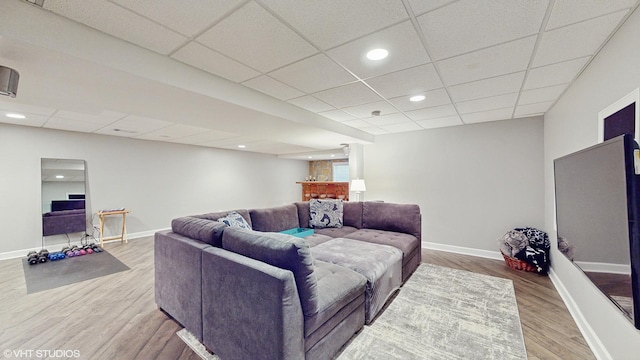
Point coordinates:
[(517, 264)]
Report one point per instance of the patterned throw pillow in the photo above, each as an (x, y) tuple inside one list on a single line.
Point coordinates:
[(235, 220), (325, 213)]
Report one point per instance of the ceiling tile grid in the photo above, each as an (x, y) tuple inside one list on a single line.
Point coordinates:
[(474, 61)]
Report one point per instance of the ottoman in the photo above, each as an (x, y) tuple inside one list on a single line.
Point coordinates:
[(380, 264)]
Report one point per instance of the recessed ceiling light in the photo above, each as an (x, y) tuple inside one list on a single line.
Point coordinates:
[(377, 54), (15, 116), (59, 176), (310, 157), (333, 155), (242, 146), (417, 98)]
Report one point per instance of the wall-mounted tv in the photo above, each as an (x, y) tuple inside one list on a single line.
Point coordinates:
[(597, 218)]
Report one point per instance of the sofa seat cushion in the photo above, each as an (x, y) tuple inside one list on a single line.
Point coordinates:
[(275, 219), (380, 264), (282, 251), (335, 232), (337, 287), (316, 239), (405, 242)]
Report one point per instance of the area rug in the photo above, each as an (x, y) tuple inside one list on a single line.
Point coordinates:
[(440, 313), (53, 274)]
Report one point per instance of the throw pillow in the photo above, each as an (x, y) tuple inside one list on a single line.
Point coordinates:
[(235, 220), (325, 213)]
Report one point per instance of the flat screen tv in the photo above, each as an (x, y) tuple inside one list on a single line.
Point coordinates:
[(597, 218)]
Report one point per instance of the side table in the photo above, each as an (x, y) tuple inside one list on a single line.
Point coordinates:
[(123, 235)]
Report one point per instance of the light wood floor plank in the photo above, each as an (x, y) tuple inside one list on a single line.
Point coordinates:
[(115, 316)]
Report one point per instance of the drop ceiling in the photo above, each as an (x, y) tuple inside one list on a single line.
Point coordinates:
[(290, 76)]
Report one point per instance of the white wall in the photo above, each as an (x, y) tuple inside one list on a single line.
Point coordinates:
[(156, 181), (472, 182), (571, 125)]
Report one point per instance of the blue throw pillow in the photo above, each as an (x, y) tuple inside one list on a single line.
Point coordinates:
[(235, 220), (325, 213)]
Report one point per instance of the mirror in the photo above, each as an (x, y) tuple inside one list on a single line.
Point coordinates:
[(63, 196), (597, 218)]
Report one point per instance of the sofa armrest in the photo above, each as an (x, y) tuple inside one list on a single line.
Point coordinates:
[(178, 278), (251, 310)]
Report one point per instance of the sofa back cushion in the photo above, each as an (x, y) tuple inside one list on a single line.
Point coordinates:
[(217, 215), (282, 251), (404, 218), (274, 219), (207, 231), (351, 214)]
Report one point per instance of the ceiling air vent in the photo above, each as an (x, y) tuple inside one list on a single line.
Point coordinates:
[(8, 81)]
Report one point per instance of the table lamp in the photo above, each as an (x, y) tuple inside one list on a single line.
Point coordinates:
[(357, 185)]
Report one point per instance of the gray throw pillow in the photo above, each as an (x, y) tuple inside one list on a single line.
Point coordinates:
[(325, 213), (283, 251)]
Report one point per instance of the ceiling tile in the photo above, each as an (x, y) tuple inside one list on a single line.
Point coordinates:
[(560, 44), (402, 42), (491, 115), (201, 57), (374, 130), (12, 106), (329, 23), (310, 103), (357, 123), (364, 111), (133, 126), (313, 74), (469, 25), (60, 123), (498, 60), (337, 115), (432, 112), (567, 12), (36, 120), (397, 118), (170, 132), (403, 127), (187, 17), (498, 85), (119, 22), (532, 109), (211, 135), (440, 122), (420, 7), (488, 103), (541, 94), (560, 73), (348, 95), (272, 87), (256, 38), (432, 98), (411, 81)]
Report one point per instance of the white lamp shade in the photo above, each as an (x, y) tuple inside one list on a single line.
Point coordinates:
[(358, 185)]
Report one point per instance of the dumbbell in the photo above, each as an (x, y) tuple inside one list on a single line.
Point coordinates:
[(96, 248), (43, 256), (88, 249), (32, 257)]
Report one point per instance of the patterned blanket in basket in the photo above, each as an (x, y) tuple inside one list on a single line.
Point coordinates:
[(527, 244)]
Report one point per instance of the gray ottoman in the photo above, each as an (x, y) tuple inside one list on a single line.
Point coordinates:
[(380, 264)]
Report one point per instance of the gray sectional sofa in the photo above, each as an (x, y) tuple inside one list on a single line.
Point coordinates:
[(260, 294)]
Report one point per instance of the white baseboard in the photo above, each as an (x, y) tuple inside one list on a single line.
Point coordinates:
[(589, 335), (463, 250), (23, 252)]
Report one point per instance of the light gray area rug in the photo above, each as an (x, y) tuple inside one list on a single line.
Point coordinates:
[(440, 313)]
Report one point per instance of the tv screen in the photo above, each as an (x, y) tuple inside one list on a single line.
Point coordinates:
[(597, 217)]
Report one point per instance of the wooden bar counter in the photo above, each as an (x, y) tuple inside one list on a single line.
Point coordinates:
[(324, 190)]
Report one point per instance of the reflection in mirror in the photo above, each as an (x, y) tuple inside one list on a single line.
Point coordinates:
[(597, 219), (63, 196)]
